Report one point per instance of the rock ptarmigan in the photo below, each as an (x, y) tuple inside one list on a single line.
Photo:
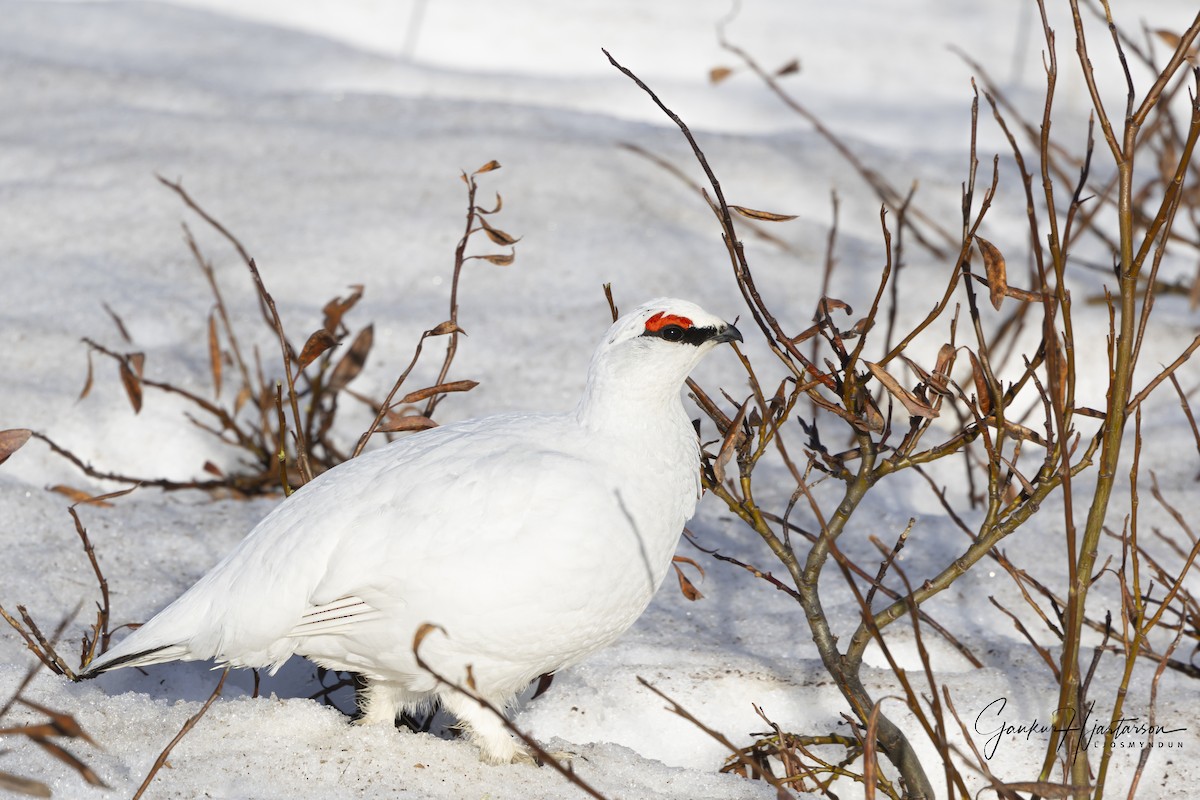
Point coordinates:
[(529, 540)]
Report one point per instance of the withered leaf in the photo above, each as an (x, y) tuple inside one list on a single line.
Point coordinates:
[(397, 423), (63, 723), (941, 370), (914, 406), (496, 235), (213, 469), (443, 328), (982, 395), (79, 496), (214, 352), (243, 395), (997, 272), (87, 383), (499, 205), (441, 388), (499, 259), (12, 440), (828, 304), (320, 341), (735, 437), (687, 587), (25, 786), (718, 74), (875, 420), (336, 308), (130, 368), (689, 561), (70, 760), (423, 631), (121, 329), (355, 359), (790, 68), (762, 216), (1171, 38), (488, 167)]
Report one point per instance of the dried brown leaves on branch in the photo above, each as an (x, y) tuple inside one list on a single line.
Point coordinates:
[(283, 423), (248, 410), (1009, 413), (54, 730)]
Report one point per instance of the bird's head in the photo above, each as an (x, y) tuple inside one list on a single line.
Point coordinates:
[(649, 352)]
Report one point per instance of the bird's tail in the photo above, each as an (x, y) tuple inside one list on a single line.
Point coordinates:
[(133, 656)]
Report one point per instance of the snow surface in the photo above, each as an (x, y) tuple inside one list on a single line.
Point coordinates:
[(329, 137)]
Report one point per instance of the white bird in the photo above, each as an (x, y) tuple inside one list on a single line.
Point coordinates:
[(529, 540)]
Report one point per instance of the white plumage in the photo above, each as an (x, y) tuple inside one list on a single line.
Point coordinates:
[(530, 540)]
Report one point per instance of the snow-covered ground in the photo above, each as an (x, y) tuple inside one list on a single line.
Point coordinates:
[(329, 136)]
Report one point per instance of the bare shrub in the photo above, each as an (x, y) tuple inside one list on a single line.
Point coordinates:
[(1008, 410)]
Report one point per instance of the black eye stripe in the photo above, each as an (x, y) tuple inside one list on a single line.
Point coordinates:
[(694, 335)]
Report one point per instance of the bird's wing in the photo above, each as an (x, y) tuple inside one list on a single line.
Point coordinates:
[(338, 616), (323, 559)]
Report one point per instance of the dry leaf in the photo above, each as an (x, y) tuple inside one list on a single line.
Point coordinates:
[(828, 304), (790, 68), (243, 395), (718, 74), (446, 327), (12, 440), (689, 590), (993, 264), (131, 377), (117, 321), (355, 359), (83, 769), (691, 561), (441, 388), (762, 216), (982, 395), (1170, 37), (488, 167), (423, 631), (910, 402), (213, 469), (87, 383), (496, 235), (214, 352), (500, 259), (499, 205), (735, 436), (875, 420), (79, 496), (396, 423), (1173, 41), (25, 786), (63, 724), (320, 341), (941, 370), (336, 308)]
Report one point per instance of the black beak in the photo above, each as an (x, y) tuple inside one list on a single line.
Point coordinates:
[(729, 333)]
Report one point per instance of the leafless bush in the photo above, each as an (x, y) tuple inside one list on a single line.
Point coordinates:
[(1007, 410), (250, 404)]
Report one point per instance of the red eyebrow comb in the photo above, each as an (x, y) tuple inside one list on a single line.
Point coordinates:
[(662, 320)]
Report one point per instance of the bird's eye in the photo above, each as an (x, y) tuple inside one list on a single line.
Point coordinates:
[(672, 333)]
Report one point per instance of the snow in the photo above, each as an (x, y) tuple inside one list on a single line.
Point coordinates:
[(329, 137)]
